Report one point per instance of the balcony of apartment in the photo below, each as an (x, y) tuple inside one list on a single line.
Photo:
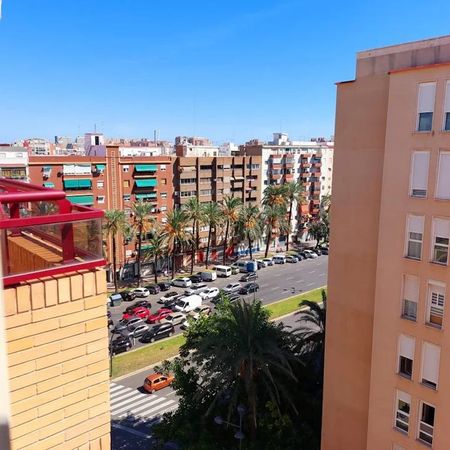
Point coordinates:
[(145, 185), (145, 170), (42, 233), (74, 187), (187, 171)]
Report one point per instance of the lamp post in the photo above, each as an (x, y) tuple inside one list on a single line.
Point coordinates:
[(239, 435)]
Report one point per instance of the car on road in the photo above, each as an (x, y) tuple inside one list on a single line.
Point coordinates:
[(310, 254), (164, 285), (120, 345), (140, 311), (231, 287), (141, 292), (159, 315), (317, 251), (234, 269), (110, 321), (175, 318), (153, 288), (183, 282), (128, 296), (208, 275), (279, 259), (139, 304), (135, 331), (324, 250), (196, 288), (203, 310), (187, 304), (230, 297), (125, 324), (196, 278), (249, 288), (171, 295), (291, 259), (249, 276), (261, 264), (268, 261), (157, 381), (209, 293), (158, 332)]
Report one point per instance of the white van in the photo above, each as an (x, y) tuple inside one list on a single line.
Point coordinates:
[(242, 266), (279, 259), (208, 275), (188, 304), (223, 271)]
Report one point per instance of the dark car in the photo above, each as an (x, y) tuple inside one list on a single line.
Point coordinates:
[(249, 276), (249, 288), (120, 345), (324, 251), (153, 288), (110, 321), (300, 256), (317, 251), (140, 303), (158, 332), (196, 278), (164, 286), (261, 265), (230, 297), (169, 296), (128, 296)]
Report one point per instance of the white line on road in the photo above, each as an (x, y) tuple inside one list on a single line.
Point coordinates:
[(144, 411), (131, 408), (113, 387), (132, 398), (310, 284), (274, 288), (131, 431), (121, 394), (312, 271)]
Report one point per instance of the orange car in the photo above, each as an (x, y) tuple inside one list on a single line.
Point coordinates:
[(157, 381)]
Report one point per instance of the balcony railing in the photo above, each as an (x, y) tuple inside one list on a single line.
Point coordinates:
[(42, 233)]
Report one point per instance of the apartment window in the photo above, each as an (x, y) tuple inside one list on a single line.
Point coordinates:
[(163, 195), (414, 236), (425, 107), (406, 346), (100, 184), (101, 199), (206, 192), (436, 303), (205, 180), (163, 180), (431, 355), (443, 183), (426, 423), (402, 410), (447, 107), (410, 297), (441, 235), (188, 180), (205, 167), (162, 167), (126, 198), (163, 208), (419, 174), (126, 168), (126, 183)]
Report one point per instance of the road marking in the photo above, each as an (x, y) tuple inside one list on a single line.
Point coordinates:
[(117, 409), (120, 402), (145, 411), (312, 271), (131, 431), (274, 288), (121, 394), (310, 284), (113, 387)]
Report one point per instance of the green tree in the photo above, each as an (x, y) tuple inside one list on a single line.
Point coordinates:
[(157, 246), (273, 216), (195, 212), (115, 223), (294, 193), (249, 225), (213, 217), (275, 194), (318, 230), (230, 212)]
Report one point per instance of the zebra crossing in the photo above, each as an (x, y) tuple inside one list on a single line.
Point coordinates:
[(126, 401)]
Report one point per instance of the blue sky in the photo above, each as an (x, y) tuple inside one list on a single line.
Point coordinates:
[(229, 70)]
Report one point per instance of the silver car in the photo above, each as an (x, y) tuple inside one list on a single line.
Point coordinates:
[(231, 287), (175, 318)]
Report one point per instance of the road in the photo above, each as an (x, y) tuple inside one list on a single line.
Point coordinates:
[(276, 282)]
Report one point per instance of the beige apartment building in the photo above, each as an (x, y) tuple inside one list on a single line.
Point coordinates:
[(387, 368)]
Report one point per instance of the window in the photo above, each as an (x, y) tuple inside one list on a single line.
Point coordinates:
[(426, 423), (436, 303), (100, 184), (162, 167), (188, 180), (402, 409), (101, 199), (419, 174), (126, 183), (443, 183), (126, 168), (77, 169), (406, 346), (441, 235), (163, 208), (126, 198), (414, 236), (205, 167), (447, 107), (205, 192), (425, 107), (410, 297), (163, 195), (431, 355), (163, 180)]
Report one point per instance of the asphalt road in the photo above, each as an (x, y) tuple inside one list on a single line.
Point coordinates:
[(276, 283)]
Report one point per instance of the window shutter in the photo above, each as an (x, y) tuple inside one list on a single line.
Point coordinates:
[(437, 294), (406, 344), (419, 173), (404, 397), (411, 288), (430, 362), (447, 97), (415, 224), (427, 93), (443, 185), (441, 228)]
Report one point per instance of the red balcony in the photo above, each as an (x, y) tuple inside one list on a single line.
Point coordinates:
[(42, 233)]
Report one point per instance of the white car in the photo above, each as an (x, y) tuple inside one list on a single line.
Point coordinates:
[(209, 293), (310, 254), (175, 318), (141, 292), (263, 262), (232, 287), (268, 261), (196, 288), (183, 282)]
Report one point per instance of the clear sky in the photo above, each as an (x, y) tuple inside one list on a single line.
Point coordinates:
[(228, 70)]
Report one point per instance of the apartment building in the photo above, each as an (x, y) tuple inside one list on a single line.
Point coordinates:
[(14, 162), (387, 365), (195, 147)]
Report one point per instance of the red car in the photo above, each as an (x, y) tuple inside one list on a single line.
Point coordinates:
[(140, 311), (159, 315)]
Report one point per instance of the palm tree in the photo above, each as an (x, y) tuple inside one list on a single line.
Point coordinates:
[(142, 224), (294, 193), (230, 212), (176, 234), (196, 213), (115, 223), (249, 225), (273, 216), (213, 218), (274, 195), (157, 246)]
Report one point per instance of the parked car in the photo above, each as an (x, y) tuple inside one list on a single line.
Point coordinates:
[(209, 293), (139, 304), (136, 331), (172, 295), (231, 297), (140, 311), (141, 292), (248, 276), (268, 261), (261, 264), (125, 324), (183, 282), (232, 287), (159, 315), (317, 251), (157, 381), (196, 278), (153, 288), (158, 332), (203, 310), (208, 275), (120, 345), (110, 321), (128, 296), (300, 256), (196, 288), (188, 303), (249, 288), (291, 259), (164, 285), (279, 259), (310, 254), (324, 250), (175, 318), (234, 269)]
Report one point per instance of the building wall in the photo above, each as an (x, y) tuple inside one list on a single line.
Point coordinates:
[(57, 344)]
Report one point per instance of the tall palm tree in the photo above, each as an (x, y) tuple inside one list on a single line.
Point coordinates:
[(213, 217), (274, 194), (249, 225), (273, 216), (142, 223), (115, 223), (230, 212), (157, 246), (196, 213), (294, 193), (176, 234)]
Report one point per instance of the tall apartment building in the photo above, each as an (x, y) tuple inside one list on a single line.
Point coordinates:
[(387, 365)]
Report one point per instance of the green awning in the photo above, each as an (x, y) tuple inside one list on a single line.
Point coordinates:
[(100, 167), (150, 182), (145, 196), (145, 247), (49, 185), (146, 167), (77, 184), (82, 199), (46, 167)]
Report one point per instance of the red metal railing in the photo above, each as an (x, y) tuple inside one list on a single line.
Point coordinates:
[(42, 233)]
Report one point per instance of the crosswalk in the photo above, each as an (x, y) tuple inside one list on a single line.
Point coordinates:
[(126, 401)]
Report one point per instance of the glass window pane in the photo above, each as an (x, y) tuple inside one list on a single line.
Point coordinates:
[(425, 121), (447, 122)]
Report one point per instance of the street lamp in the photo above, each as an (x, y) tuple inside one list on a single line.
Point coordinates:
[(239, 435)]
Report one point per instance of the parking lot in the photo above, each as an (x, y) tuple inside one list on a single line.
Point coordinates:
[(276, 282)]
